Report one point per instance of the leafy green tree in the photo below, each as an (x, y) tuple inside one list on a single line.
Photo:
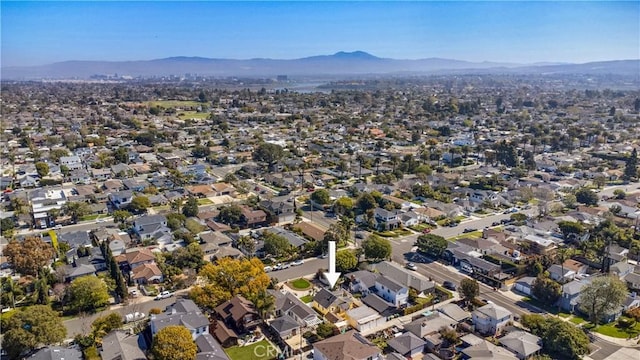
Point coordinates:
[(343, 206), (121, 216), (586, 196), (321, 196), (276, 245), (105, 324), (345, 260), (32, 327), (546, 290), (469, 289), (230, 214), (56, 154), (42, 169), (366, 201), (174, 342), (76, 209), (139, 204), (7, 225), (121, 155), (10, 291), (268, 153), (602, 296), (559, 338), (88, 293), (200, 151), (325, 330), (175, 221), (190, 208), (190, 256), (570, 227), (376, 248), (432, 244)]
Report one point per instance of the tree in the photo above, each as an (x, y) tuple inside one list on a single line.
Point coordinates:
[(228, 277), (7, 225), (321, 196), (188, 257), (87, 293), (174, 342), (140, 204), (559, 337), (105, 324), (230, 214), (469, 289), (546, 290), (190, 208), (42, 169), (121, 216), (200, 151), (32, 327), (376, 248), (246, 244), (587, 197), (264, 303), (268, 153), (602, 296), (570, 227), (175, 220), (276, 245), (432, 244), (10, 291), (345, 260), (343, 206), (366, 201), (76, 209), (29, 256), (631, 166), (325, 330), (121, 155)]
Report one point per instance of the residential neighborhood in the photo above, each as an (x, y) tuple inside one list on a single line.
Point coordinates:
[(474, 218)]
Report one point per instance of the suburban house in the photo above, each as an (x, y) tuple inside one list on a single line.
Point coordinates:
[(362, 281), (325, 302), (279, 211), (405, 277), (429, 324), (364, 319), (120, 345), (121, 199), (134, 258), (571, 294), (491, 319), (209, 348), (348, 346), (56, 353), (391, 291), (238, 313), (183, 312), (253, 218), (556, 273), (288, 304), (146, 226), (72, 162), (521, 343), (524, 285), (408, 345), (146, 274), (385, 219)]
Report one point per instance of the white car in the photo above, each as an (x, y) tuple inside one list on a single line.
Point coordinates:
[(133, 293), (58, 227), (412, 266), (134, 316), (164, 295), (268, 269), (297, 262)]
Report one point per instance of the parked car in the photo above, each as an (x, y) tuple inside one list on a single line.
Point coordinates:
[(58, 227), (449, 285), (495, 223), (133, 293), (297, 262), (285, 266), (412, 266), (134, 316), (164, 295), (468, 230), (268, 269)]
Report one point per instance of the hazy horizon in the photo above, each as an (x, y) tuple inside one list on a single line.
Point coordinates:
[(37, 33)]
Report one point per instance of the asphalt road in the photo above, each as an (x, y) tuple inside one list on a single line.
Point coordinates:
[(82, 324)]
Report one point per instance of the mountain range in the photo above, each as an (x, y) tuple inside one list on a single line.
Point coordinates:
[(339, 64)]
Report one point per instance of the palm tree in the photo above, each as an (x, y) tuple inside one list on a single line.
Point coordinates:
[(563, 254), (347, 223), (41, 294), (264, 304), (11, 290)]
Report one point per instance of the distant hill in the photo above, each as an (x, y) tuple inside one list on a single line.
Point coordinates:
[(341, 63)]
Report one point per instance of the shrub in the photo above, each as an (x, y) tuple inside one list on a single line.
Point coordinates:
[(626, 323)]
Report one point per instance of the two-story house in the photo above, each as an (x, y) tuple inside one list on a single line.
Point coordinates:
[(385, 219), (121, 199), (324, 301), (72, 162), (239, 314), (252, 218), (279, 211), (491, 319), (146, 226), (392, 291)]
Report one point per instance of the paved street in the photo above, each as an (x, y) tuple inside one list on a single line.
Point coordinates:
[(82, 325)]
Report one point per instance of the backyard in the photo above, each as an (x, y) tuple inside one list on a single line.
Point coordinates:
[(299, 284), (262, 350)]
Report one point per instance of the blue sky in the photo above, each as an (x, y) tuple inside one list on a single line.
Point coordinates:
[(521, 32)]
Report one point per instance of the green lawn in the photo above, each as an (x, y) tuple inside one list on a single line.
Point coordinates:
[(307, 299), (204, 201), (613, 331), (577, 320), (175, 104), (300, 284), (262, 350), (564, 315), (184, 115), (91, 217)]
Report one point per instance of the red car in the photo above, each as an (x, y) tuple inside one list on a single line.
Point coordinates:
[(426, 231)]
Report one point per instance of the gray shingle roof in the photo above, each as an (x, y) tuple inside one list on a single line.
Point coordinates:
[(405, 343)]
